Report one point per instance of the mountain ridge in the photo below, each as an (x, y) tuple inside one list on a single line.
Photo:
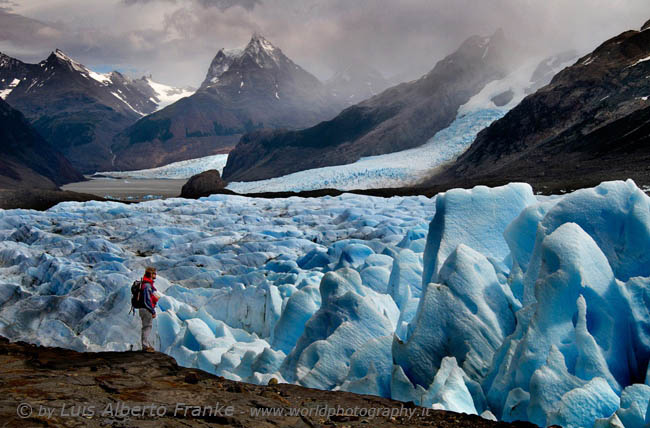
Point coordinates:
[(593, 113)]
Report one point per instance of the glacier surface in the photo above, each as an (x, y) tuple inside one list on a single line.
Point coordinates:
[(486, 301)]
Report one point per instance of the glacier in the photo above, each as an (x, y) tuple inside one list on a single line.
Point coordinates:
[(491, 301)]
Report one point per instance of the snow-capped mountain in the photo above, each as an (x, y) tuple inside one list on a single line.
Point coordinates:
[(12, 71), (262, 73), (402, 117), (591, 123), (76, 108), (244, 89)]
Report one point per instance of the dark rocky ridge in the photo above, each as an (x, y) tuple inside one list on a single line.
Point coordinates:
[(590, 124), (399, 118), (257, 87), (86, 383), (26, 159)]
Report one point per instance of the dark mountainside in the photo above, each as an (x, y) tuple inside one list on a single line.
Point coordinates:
[(30, 168), (590, 124), (244, 90), (76, 110), (67, 383), (26, 159), (399, 118)]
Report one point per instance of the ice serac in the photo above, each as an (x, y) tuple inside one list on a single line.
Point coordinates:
[(347, 319), (466, 316), (583, 328), (476, 218)]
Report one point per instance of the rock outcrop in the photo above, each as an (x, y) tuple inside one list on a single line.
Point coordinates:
[(203, 184)]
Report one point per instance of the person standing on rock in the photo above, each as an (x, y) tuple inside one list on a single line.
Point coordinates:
[(148, 312)]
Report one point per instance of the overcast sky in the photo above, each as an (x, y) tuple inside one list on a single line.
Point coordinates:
[(175, 40)]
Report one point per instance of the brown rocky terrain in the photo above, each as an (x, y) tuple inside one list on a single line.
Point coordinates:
[(56, 387)]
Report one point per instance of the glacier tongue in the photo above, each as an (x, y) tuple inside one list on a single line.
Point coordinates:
[(486, 301)]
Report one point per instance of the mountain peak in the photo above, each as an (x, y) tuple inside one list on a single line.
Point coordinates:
[(61, 55), (7, 61), (258, 44), (259, 52)]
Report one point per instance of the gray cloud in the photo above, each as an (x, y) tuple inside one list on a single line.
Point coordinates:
[(176, 39), (219, 4)]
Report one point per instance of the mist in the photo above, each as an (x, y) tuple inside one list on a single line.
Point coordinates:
[(175, 40)]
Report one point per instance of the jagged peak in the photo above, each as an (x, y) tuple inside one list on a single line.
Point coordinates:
[(6, 60), (258, 37), (62, 55), (259, 43), (59, 56)]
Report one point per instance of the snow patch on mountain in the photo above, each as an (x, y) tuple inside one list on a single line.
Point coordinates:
[(5, 92), (166, 95)]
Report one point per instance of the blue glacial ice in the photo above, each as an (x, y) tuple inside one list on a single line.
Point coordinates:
[(486, 301)]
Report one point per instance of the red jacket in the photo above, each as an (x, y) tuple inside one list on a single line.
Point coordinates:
[(149, 297)]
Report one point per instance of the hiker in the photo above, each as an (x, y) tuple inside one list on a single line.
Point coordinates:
[(148, 309)]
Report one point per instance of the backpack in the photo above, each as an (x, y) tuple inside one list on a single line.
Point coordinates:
[(137, 296)]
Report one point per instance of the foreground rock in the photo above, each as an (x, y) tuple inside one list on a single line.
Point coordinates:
[(57, 387), (203, 184), (40, 199)]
